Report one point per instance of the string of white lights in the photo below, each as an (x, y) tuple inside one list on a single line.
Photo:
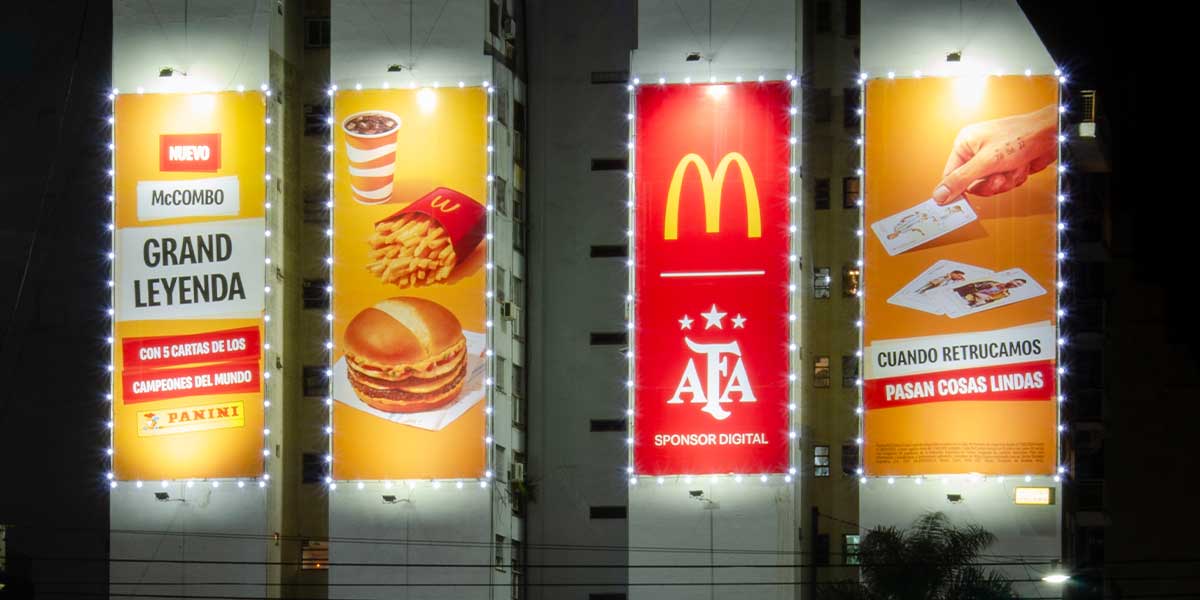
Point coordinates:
[(1061, 471), (793, 177), (110, 472)]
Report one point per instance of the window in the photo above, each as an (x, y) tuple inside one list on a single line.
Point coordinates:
[(501, 370), (315, 121), (518, 384), (608, 425), (824, 16), (851, 280), (314, 293), (821, 194), (315, 210), (610, 251), (516, 568), (850, 458), (500, 541), (609, 338), (850, 548), (820, 461), (312, 468), (821, 281), (821, 554), (517, 291), (316, 32), (316, 382), (851, 192), (500, 462), (502, 104), (822, 105), (501, 192), (314, 555), (494, 17), (518, 217), (850, 100), (610, 164), (821, 372), (608, 512), (501, 283), (519, 132), (853, 16), (849, 371)]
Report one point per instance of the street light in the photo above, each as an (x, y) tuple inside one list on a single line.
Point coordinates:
[(1056, 578)]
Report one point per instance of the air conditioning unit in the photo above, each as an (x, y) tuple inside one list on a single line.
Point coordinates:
[(516, 472), (510, 311)]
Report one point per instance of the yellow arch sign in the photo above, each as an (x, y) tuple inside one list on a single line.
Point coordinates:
[(712, 183)]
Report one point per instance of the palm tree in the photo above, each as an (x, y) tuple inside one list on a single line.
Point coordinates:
[(932, 560)]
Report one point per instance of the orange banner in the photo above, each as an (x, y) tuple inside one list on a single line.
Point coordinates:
[(960, 296), (409, 335), (188, 285)]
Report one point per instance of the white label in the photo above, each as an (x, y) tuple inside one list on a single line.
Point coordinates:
[(205, 270), (931, 354), (210, 197)]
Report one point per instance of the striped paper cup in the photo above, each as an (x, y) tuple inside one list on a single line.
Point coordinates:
[(372, 159)]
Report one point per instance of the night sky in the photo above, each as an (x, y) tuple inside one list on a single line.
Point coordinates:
[(54, 74)]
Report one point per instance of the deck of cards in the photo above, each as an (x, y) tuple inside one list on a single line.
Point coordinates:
[(957, 289), (922, 223)]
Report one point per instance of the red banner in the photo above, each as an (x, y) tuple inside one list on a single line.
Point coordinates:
[(232, 377), (711, 282), (1021, 381), (198, 152), (170, 350)]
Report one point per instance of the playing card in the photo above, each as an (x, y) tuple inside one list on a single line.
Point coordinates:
[(987, 292), (920, 293), (926, 221)]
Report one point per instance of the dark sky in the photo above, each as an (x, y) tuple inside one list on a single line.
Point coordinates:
[(54, 70)]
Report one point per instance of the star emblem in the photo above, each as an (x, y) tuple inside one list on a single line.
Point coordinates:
[(685, 323), (739, 322), (712, 318)]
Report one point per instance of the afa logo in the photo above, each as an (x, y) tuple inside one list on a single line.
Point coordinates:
[(725, 381)]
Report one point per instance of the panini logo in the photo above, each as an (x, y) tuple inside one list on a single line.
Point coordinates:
[(190, 418), (196, 152)]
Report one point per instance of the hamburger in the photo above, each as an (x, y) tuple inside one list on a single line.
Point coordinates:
[(406, 355)]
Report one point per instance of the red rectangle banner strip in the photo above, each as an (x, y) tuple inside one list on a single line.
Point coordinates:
[(171, 350), (231, 377)]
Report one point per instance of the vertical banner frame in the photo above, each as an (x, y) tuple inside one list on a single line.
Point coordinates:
[(1055, 285), (789, 322), (486, 238), (148, 360)]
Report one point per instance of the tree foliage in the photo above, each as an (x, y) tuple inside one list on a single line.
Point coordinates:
[(931, 560)]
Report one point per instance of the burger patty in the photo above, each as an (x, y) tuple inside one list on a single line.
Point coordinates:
[(388, 390), (427, 369)]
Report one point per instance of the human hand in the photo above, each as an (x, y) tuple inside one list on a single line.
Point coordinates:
[(991, 157)]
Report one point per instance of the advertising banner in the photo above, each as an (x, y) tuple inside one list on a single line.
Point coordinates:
[(409, 278), (960, 262), (188, 285), (711, 281)]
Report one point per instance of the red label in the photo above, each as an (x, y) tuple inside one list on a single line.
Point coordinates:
[(462, 217), (169, 350), (711, 281), (232, 377), (1021, 381), (189, 152)]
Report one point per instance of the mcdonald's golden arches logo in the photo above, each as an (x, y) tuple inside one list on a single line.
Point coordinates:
[(711, 184), (442, 203)]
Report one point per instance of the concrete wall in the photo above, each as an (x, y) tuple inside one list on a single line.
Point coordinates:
[(573, 120), (740, 37), (432, 543), (737, 536), (445, 45), (202, 541), (918, 34), (1025, 534), (221, 44)]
